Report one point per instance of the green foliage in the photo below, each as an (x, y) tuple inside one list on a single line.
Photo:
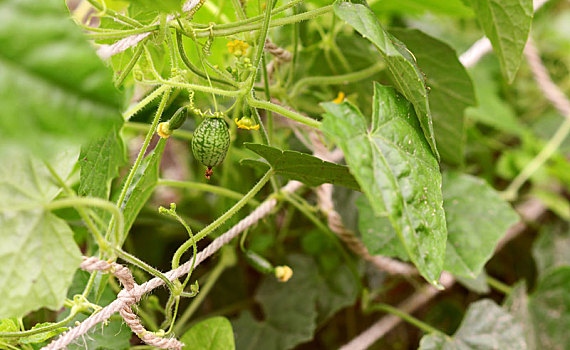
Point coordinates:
[(507, 25), (485, 326), (551, 248), (213, 333), (396, 170), (450, 90), (405, 71), (304, 167), (37, 248), (56, 92), (471, 240)]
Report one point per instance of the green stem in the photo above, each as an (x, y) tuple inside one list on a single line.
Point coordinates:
[(261, 43), (35, 331), (122, 33), (228, 214), (283, 111), (212, 278), (498, 285), (207, 89), (144, 266), (240, 14), (406, 317), (511, 192), (182, 134), (337, 79), (131, 64), (135, 109), (202, 33), (91, 202), (199, 186)]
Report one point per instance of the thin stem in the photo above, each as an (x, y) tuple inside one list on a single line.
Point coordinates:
[(228, 214), (212, 278), (267, 97), (261, 43), (144, 266), (207, 89), (498, 285), (511, 192), (202, 33), (337, 79), (240, 14), (131, 63), (283, 111), (265, 141), (406, 317), (35, 331), (295, 51), (199, 186), (122, 33), (182, 134), (139, 106)]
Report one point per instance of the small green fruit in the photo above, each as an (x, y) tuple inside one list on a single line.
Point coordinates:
[(210, 142)]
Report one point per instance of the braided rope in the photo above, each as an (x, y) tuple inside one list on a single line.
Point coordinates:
[(280, 53)]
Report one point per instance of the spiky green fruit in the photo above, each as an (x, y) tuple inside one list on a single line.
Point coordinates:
[(210, 142)]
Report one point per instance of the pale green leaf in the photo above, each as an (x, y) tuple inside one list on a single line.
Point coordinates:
[(450, 90), (56, 92), (486, 326), (396, 170), (304, 167), (213, 333), (401, 63), (471, 241), (552, 248), (507, 24), (516, 303), (477, 284), (39, 257), (453, 8)]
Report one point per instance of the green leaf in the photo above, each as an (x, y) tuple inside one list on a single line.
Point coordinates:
[(401, 63), (100, 161), (213, 333), (549, 307), (486, 326), (39, 257), (289, 311), (9, 325), (471, 241), (38, 253), (552, 248), (377, 232), (144, 182), (303, 167), (516, 303), (56, 92), (114, 334), (507, 24), (397, 172), (451, 90), (407, 7)]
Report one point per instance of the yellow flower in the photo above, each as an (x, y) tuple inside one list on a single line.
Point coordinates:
[(339, 98), (283, 273), (246, 123), (237, 47)]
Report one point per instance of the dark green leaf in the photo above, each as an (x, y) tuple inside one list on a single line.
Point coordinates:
[(304, 167), (471, 241), (486, 326), (549, 307), (450, 90), (506, 24), (397, 171), (213, 333), (552, 248), (55, 90), (401, 63), (144, 182), (39, 255), (289, 311)]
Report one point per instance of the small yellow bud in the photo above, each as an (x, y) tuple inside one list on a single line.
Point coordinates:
[(283, 273), (237, 47), (163, 130), (246, 123), (339, 98)]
